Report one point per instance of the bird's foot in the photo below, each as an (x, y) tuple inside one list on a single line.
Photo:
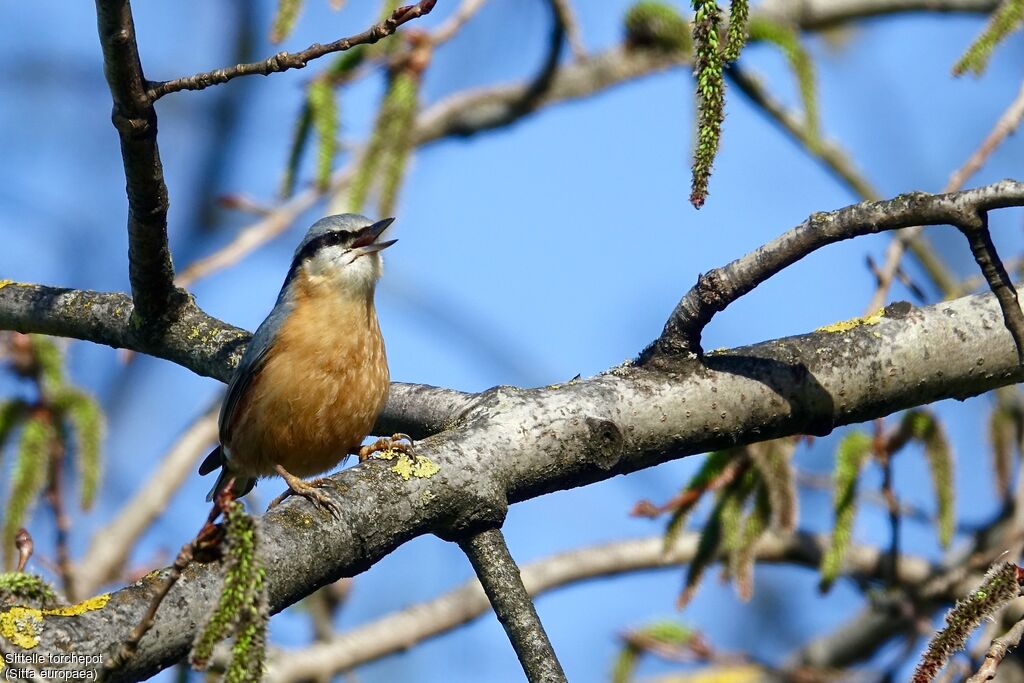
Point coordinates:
[(395, 442), (308, 490)]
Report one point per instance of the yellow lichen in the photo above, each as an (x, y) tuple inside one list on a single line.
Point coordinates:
[(421, 468), (21, 625), (4, 283), (847, 325)]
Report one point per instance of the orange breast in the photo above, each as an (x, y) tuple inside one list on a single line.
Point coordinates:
[(319, 392)]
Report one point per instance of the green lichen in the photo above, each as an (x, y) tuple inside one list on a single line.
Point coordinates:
[(18, 588), (652, 25)]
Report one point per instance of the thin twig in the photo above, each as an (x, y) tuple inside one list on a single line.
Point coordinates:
[(838, 162), (456, 21), (283, 61), (131, 645), (567, 18), (716, 289), (503, 584), (984, 250), (1005, 125), (62, 524), (997, 652)]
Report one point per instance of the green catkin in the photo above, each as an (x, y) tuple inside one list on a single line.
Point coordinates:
[(625, 663), (300, 139), (926, 429), (86, 418), (787, 39), (285, 19), (323, 108), (1004, 20), (1002, 584), (773, 460), (741, 560), (242, 606), (12, 412), (30, 467), (50, 362), (852, 453), (710, 469), (403, 101), (710, 96), (736, 37)]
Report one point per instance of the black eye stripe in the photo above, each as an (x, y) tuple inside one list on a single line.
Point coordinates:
[(328, 239)]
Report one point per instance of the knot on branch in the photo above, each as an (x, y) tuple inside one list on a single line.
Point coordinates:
[(606, 442)]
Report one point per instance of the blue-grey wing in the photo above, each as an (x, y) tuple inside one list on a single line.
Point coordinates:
[(249, 367)]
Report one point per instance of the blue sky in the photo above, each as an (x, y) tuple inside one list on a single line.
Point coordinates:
[(558, 246)]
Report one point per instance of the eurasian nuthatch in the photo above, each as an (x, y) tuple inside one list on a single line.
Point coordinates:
[(315, 376)]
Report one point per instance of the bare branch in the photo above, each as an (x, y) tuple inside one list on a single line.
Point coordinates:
[(150, 270), (718, 288), (499, 576), (283, 61), (997, 652), (909, 238), (399, 630)]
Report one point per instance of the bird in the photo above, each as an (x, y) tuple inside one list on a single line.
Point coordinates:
[(314, 378)]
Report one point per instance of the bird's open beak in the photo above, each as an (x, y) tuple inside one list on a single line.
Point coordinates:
[(366, 239)]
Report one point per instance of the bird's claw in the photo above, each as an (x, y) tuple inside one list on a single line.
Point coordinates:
[(310, 490), (391, 443)]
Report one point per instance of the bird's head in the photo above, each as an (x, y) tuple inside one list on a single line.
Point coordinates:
[(343, 252)]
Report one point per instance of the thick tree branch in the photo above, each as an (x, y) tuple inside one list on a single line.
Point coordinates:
[(718, 288), (283, 61), (499, 576), (400, 630), (516, 444), (150, 270)]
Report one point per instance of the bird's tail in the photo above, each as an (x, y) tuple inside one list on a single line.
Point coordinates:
[(216, 459)]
